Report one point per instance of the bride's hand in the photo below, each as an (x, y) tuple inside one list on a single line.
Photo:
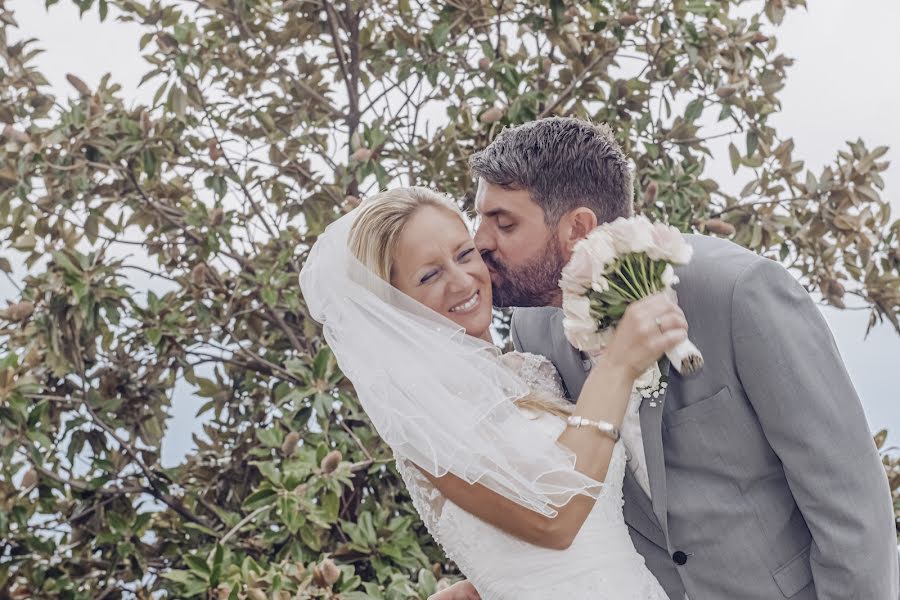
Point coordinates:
[(461, 590), (650, 327)]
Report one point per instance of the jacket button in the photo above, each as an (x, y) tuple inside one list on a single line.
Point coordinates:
[(679, 558)]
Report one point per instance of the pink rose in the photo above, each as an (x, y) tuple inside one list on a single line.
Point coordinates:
[(669, 245), (576, 276)]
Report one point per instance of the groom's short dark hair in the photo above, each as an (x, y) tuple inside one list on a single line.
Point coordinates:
[(564, 163)]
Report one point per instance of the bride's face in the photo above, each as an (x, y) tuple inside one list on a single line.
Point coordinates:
[(437, 264)]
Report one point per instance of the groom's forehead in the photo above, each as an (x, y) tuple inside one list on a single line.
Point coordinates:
[(493, 200)]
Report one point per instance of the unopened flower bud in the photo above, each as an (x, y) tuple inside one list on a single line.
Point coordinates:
[(78, 84), (628, 19), (720, 227), (326, 573), (572, 42), (331, 461), (290, 443), (198, 274), (215, 152), (256, 594), (13, 134), (726, 91), (95, 106), (30, 479), (217, 216), (833, 287), (484, 63), (362, 154), (146, 123), (491, 115), (18, 312)]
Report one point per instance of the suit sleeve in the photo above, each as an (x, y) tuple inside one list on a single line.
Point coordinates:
[(514, 333), (795, 379)]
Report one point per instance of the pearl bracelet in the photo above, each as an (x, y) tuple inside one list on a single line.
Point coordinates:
[(604, 427)]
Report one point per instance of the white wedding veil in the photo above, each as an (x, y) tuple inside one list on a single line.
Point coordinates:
[(439, 398)]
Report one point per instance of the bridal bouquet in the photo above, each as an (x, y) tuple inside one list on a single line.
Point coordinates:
[(616, 264)]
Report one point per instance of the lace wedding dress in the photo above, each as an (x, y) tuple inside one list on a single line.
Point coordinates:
[(601, 563)]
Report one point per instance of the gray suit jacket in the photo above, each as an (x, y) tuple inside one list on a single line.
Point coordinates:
[(765, 481)]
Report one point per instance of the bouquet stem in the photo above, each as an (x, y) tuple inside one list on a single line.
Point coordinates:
[(686, 358)]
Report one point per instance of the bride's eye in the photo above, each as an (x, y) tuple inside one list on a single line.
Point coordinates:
[(428, 277)]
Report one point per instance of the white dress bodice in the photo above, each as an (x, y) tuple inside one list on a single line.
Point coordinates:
[(601, 563)]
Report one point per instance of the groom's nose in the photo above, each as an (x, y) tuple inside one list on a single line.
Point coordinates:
[(484, 239)]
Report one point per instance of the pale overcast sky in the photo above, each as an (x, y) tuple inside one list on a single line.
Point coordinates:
[(844, 85)]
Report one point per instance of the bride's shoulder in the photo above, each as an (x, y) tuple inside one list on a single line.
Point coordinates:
[(523, 360), (537, 371)]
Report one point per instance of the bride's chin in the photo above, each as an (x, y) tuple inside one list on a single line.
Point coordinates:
[(479, 325)]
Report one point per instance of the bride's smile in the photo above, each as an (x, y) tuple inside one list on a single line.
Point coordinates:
[(469, 305)]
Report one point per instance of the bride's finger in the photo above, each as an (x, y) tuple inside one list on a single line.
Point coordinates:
[(671, 320), (669, 339)]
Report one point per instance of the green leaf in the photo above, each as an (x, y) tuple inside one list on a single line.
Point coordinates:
[(216, 561), (321, 363), (811, 183), (439, 35), (269, 296), (735, 157), (198, 566), (694, 110), (752, 143), (154, 335), (260, 498), (270, 437), (182, 577), (270, 472), (63, 261)]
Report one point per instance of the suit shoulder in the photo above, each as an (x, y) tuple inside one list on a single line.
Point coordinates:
[(530, 324), (718, 260)]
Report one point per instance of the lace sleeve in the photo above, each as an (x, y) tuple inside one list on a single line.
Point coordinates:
[(427, 499), (537, 371)]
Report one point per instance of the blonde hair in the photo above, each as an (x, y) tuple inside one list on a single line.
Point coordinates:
[(373, 241), (381, 219)]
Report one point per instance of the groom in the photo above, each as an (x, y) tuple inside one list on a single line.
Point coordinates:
[(756, 478)]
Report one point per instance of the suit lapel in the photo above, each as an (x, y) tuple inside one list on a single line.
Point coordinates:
[(651, 432), (639, 512), (569, 362)]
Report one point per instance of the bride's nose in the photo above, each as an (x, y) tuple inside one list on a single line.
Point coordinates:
[(458, 280)]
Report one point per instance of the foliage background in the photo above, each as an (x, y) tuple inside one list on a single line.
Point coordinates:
[(272, 117)]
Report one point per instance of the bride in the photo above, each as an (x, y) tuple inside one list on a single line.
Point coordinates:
[(522, 490)]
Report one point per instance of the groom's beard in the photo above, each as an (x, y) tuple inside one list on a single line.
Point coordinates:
[(533, 284)]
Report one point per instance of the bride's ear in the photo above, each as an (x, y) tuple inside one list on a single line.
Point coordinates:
[(576, 225)]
